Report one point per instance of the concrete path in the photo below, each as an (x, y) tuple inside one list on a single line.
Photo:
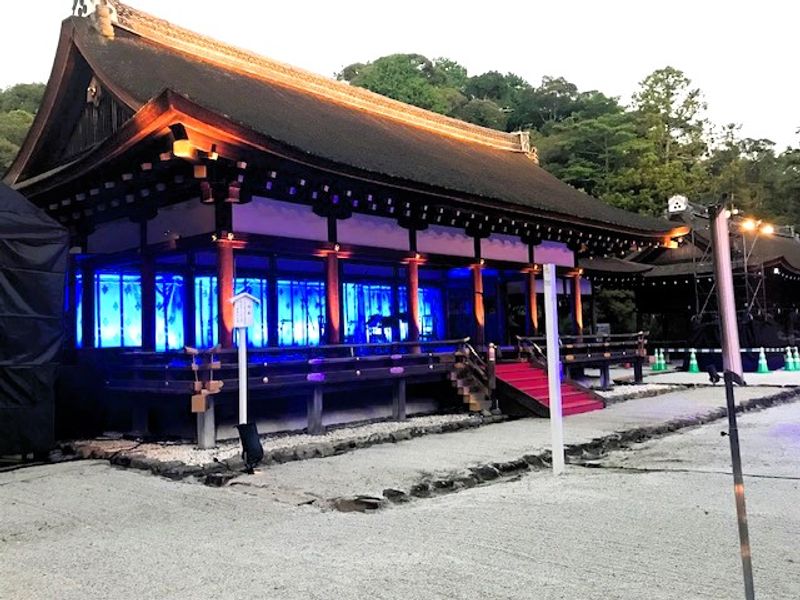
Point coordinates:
[(371, 470)]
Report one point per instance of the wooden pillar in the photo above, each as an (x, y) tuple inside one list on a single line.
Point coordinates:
[(412, 288), (225, 292), (577, 304), (593, 310), (189, 306), (533, 307), (272, 302), (399, 400), (478, 312), (148, 288), (87, 305), (332, 299)]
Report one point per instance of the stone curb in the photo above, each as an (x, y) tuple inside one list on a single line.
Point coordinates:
[(578, 454), (177, 470)]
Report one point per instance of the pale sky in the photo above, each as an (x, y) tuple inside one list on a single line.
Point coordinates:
[(743, 55)]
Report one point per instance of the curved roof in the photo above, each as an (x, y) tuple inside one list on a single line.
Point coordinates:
[(330, 121)]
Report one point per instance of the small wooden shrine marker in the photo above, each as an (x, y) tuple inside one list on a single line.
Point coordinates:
[(244, 305)]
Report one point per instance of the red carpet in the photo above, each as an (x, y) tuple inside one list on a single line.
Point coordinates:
[(532, 381)]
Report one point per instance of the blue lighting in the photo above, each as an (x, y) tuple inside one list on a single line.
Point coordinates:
[(431, 313), (169, 312), (207, 309), (368, 313), (301, 312)]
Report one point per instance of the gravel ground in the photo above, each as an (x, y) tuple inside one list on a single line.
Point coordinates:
[(371, 470), (775, 378), (189, 454), (642, 390), (87, 530)]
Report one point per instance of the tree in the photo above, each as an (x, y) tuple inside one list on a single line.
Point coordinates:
[(23, 96), (18, 104)]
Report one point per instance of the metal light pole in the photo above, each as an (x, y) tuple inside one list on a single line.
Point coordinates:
[(732, 365)]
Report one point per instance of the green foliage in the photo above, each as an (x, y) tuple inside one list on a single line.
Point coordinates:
[(23, 96), (18, 104), (633, 157)]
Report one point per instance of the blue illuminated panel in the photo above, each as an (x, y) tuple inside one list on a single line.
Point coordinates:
[(301, 312), (118, 310), (78, 311), (368, 313), (169, 312), (431, 313), (206, 310)]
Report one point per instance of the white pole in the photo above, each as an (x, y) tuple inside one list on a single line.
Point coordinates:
[(242, 374), (553, 366)]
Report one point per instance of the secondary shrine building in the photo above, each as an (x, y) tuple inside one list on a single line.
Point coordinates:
[(188, 171)]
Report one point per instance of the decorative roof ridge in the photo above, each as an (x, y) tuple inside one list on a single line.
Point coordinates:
[(225, 55)]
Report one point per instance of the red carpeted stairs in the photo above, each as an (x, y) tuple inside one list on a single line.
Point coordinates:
[(532, 381)]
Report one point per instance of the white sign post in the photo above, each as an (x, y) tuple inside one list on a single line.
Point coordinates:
[(243, 316)]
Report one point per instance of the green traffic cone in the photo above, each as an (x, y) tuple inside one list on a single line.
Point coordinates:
[(693, 366), (788, 360), (762, 362), (796, 360), (654, 364)]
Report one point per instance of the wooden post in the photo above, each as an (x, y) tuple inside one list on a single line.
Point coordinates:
[(399, 400), (332, 299), (315, 412), (87, 305), (553, 366), (225, 292), (206, 426), (577, 304)]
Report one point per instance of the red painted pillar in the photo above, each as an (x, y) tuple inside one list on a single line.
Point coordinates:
[(533, 307), (332, 300), (225, 292), (577, 304), (477, 305), (412, 288)]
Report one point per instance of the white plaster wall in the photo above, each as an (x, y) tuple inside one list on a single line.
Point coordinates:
[(555, 253), (114, 236), (184, 219), (445, 240), (378, 232), (504, 247), (272, 217)]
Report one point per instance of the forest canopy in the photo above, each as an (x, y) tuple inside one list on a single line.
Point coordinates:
[(633, 156)]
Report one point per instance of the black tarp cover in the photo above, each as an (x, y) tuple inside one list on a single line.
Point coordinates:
[(33, 260)]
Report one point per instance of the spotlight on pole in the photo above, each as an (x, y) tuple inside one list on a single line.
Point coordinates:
[(252, 451)]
